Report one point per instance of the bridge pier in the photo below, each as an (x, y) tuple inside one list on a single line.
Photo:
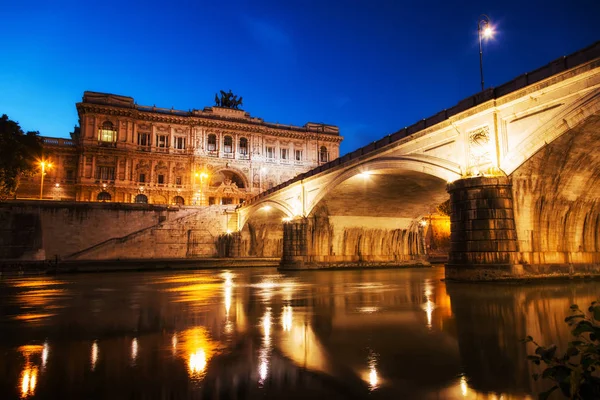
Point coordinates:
[(483, 236), (295, 248)]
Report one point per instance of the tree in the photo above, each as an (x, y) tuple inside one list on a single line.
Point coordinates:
[(577, 372), (18, 152)]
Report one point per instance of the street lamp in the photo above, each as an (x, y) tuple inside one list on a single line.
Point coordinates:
[(484, 29), (44, 165), (201, 175)]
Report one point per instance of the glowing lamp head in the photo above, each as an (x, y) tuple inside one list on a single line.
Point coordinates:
[(487, 32), (228, 231), (204, 175), (423, 223)]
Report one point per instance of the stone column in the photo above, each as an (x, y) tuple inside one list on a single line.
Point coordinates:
[(295, 249), (483, 237)]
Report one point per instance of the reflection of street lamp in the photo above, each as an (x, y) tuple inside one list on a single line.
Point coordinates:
[(44, 165), (483, 29)]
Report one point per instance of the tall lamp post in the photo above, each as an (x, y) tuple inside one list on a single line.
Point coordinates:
[(43, 165), (484, 29)]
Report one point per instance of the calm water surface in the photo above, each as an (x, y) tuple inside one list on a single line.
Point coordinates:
[(256, 333)]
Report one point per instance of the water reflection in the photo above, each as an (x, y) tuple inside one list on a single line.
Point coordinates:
[(255, 333), (94, 355), (28, 381)]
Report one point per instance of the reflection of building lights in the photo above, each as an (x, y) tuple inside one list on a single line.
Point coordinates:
[(463, 386), (266, 323), (286, 318), (266, 208), (174, 343), (94, 354), (228, 289), (263, 369), (197, 361), (286, 219), (373, 377), (134, 349), (365, 174), (429, 305), (45, 351), (28, 381)]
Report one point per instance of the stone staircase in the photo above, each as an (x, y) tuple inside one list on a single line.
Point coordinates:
[(192, 235)]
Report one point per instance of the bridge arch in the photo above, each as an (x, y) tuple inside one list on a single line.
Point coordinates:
[(254, 208), (433, 166)]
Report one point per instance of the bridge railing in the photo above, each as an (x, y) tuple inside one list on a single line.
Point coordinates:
[(553, 68)]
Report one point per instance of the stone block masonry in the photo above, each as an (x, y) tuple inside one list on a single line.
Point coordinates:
[(91, 231)]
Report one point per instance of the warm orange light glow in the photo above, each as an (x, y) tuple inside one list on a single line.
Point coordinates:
[(198, 350), (365, 174), (266, 208), (286, 318), (197, 362), (28, 381)]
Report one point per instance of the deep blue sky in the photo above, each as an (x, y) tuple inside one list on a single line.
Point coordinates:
[(370, 67)]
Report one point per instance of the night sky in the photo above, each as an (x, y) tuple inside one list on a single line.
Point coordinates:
[(370, 67)]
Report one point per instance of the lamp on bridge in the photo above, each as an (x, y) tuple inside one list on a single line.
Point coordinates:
[(485, 31)]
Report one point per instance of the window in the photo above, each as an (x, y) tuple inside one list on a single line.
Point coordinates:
[(180, 143), (226, 200), (143, 139), (243, 146), (141, 198), (142, 178), (107, 132), (178, 180), (212, 142), (285, 154), (105, 173), (324, 154), (227, 144), (270, 153), (298, 154), (103, 196), (211, 201), (161, 141), (69, 175), (161, 179)]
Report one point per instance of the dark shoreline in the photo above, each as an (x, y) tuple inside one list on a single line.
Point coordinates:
[(51, 267)]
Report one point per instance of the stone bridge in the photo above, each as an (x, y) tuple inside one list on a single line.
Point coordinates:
[(519, 164)]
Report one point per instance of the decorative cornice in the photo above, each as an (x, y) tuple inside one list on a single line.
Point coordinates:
[(208, 122)]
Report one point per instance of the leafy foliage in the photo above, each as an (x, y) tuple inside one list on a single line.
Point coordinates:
[(18, 151), (577, 372)]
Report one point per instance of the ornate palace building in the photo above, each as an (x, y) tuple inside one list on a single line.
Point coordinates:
[(124, 152)]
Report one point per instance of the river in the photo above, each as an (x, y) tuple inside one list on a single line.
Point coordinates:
[(257, 333)]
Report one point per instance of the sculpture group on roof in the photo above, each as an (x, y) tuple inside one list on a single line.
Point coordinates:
[(228, 100)]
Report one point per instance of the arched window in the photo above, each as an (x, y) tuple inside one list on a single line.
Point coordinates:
[(212, 142), (227, 144), (104, 196), (324, 154), (243, 148), (141, 198), (107, 133), (178, 200)]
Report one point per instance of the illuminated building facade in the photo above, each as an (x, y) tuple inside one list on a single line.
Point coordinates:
[(124, 152)]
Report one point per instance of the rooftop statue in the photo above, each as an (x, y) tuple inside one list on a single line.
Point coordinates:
[(228, 100)]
